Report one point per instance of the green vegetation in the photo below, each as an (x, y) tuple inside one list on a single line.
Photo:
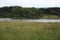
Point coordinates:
[(29, 31), (18, 12), (50, 16)]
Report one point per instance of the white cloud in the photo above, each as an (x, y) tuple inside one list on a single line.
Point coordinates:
[(32, 3)]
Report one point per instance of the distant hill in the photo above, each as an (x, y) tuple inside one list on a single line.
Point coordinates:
[(18, 12)]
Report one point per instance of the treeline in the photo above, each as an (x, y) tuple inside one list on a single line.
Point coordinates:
[(27, 13)]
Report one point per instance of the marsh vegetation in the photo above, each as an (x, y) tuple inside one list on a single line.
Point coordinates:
[(29, 31)]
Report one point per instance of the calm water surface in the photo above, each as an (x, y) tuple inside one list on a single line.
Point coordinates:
[(31, 20)]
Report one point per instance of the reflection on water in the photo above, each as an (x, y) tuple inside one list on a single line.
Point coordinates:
[(41, 20), (31, 20)]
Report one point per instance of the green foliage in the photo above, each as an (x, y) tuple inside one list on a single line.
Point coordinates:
[(27, 13), (50, 16)]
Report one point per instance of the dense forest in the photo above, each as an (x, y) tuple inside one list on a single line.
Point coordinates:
[(18, 12)]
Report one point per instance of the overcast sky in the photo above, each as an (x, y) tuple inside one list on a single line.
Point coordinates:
[(30, 3)]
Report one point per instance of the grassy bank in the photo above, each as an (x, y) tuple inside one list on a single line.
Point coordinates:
[(50, 16), (29, 31)]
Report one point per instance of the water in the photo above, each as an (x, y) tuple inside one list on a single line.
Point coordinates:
[(40, 20), (31, 20)]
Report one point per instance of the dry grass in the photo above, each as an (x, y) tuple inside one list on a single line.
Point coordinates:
[(29, 31)]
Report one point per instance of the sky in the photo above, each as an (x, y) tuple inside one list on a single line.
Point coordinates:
[(30, 3)]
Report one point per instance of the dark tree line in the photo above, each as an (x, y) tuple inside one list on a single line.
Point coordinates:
[(27, 13)]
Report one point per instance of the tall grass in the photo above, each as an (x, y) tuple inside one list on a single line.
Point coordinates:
[(29, 31)]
